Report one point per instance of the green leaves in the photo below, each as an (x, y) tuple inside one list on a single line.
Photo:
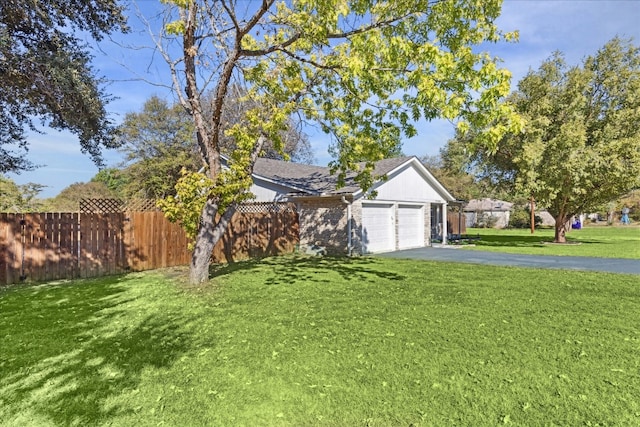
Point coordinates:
[(575, 116), (580, 142), (158, 144), (192, 191), (175, 28), (366, 71), (46, 74)]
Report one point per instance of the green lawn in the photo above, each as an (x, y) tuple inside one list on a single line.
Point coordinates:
[(591, 241), (325, 342)]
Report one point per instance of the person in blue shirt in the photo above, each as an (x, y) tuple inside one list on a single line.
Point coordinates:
[(625, 216)]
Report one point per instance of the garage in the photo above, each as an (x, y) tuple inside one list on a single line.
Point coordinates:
[(347, 220), (410, 226), (378, 224)]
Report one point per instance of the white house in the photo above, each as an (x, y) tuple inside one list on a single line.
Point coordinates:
[(407, 211)]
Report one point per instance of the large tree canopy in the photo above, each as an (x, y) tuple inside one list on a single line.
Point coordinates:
[(158, 144), (18, 198), (363, 70), (45, 73), (580, 147)]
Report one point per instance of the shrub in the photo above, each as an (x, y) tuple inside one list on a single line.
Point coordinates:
[(521, 218), (485, 221)]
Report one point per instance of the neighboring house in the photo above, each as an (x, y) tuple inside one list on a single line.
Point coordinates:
[(547, 219), (406, 212), (487, 213)]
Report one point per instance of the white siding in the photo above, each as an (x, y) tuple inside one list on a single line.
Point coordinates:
[(408, 185), (268, 192)]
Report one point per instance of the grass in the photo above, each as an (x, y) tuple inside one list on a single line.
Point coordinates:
[(326, 342), (591, 241)]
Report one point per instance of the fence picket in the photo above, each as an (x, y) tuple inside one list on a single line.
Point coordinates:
[(17, 252), (5, 226), (50, 246)]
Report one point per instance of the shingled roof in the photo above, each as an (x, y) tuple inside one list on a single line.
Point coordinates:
[(317, 180), (487, 204)]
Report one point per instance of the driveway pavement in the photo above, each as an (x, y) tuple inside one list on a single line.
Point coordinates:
[(453, 254)]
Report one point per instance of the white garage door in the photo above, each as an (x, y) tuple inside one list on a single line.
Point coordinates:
[(378, 228), (410, 226)]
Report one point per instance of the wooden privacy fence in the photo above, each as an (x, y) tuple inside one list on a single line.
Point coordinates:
[(107, 238), (259, 229), (456, 223)]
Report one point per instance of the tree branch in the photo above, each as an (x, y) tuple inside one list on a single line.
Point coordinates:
[(189, 53), (266, 4), (368, 28), (271, 49)]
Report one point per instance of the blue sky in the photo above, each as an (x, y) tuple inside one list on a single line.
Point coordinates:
[(575, 27)]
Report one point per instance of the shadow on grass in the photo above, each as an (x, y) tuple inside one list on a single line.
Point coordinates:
[(93, 345), (530, 241), (290, 269)]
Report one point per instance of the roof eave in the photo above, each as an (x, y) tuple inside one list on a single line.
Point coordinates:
[(298, 197), (281, 183)]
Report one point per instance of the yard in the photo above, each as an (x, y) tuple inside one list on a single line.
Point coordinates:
[(296, 341), (591, 241)]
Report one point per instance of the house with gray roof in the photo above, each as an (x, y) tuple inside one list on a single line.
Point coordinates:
[(407, 210), (487, 213)]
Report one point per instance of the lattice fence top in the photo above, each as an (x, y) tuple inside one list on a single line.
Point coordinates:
[(265, 207), (101, 205), (107, 206)]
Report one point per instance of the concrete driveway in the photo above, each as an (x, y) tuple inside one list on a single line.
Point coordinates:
[(454, 254)]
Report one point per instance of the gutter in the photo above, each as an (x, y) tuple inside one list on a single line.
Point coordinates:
[(349, 243)]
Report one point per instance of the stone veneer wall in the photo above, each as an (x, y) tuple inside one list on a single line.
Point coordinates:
[(323, 222)]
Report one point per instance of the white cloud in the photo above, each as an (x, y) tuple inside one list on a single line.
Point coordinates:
[(42, 145)]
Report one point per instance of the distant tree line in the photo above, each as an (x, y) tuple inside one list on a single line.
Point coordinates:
[(157, 144)]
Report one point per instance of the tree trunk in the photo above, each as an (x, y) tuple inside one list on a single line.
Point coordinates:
[(561, 229), (209, 234), (532, 211)]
